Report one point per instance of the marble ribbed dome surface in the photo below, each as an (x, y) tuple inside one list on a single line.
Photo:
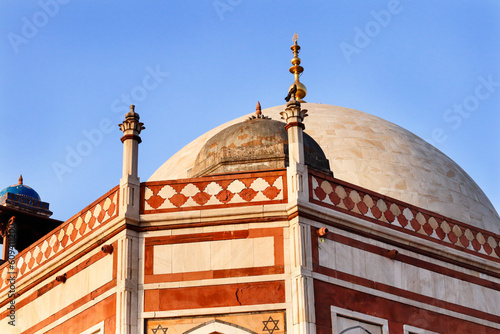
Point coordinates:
[(378, 155)]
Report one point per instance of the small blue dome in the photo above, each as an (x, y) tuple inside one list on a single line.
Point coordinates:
[(21, 189)]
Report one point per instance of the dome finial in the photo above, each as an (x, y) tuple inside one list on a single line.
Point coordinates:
[(20, 179), (297, 89), (258, 113)]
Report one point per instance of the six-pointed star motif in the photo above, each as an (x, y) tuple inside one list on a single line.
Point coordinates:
[(274, 325), (163, 330)]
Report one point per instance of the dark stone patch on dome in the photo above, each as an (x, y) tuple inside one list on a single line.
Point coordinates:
[(255, 144)]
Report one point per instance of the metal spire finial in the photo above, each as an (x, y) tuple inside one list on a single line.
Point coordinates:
[(297, 90)]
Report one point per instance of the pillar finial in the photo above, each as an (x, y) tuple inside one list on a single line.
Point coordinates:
[(131, 127), (297, 90), (258, 109), (20, 179)]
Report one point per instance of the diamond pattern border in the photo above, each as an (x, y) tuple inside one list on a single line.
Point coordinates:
[(336, 195), (213, 192), (70, 232)]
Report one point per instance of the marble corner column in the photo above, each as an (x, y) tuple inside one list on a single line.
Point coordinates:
[(130, 183), (128, 244), (303, 311), (294, 115), (127, 298)]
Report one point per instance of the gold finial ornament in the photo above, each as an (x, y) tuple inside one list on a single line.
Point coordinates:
[(258, 109), (297, 70), (20, 179)]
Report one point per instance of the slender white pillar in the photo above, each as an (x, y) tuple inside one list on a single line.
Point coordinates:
[(130, 183), (128, 244), (303, 311), (297, 170)]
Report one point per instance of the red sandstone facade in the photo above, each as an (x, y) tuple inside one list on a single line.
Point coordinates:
[(289, 250), (248, 295)]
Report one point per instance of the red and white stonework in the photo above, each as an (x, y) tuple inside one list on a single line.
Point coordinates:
[(43, 304), (244, 189), (71, 232), (270, 251), (388, 211)]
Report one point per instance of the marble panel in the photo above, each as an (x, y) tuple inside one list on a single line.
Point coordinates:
[(162, 259), (190, 257)]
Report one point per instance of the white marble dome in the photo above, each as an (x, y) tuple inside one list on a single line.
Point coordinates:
[(378, 155)]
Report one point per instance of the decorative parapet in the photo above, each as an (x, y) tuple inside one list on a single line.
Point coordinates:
[(59, 240), (386, 211), (15, 199), (214, 191)]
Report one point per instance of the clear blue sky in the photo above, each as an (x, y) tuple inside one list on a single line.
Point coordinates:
[(71, 67)]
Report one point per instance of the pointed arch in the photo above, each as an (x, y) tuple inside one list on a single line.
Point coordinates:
[(219, 326), (355, 327)]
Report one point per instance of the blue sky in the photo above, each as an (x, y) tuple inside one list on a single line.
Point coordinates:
[(70, 68)]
